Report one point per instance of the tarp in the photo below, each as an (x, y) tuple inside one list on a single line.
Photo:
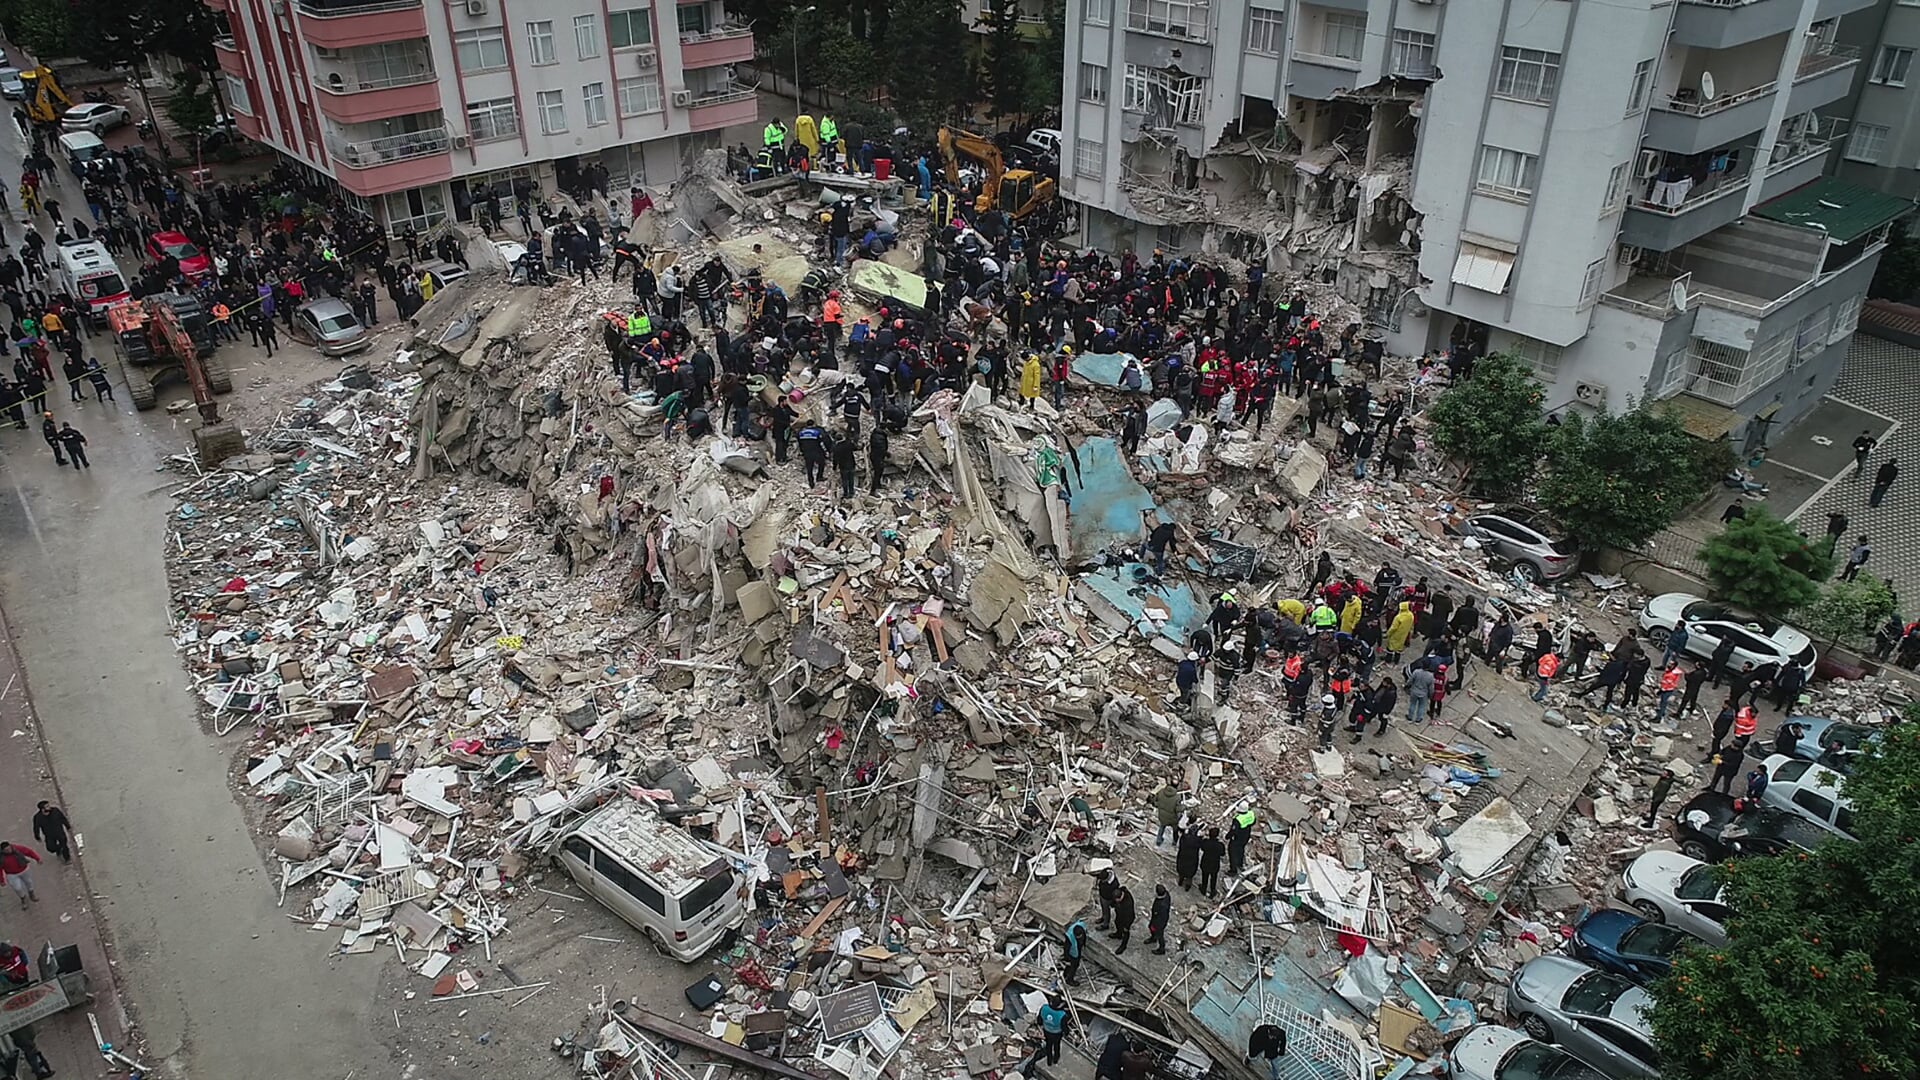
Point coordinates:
[(1108, 502), (881, 281), (1103, 369)]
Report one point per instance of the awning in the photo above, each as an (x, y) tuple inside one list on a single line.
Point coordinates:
[(1483, 268), (1846, 211)]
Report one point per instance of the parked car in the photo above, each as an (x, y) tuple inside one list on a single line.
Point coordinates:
[(1492, 1052), (1524, 539), (330, 326), (1711, 828), (11, 87), (1668, 887), (193, 262), (1596, 1016), (1756, 639), (98, 117), (1629, 945), (1808, 791), (1827, 742)]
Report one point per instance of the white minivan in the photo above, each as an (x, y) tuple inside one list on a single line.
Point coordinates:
[(682, 893), (80, 147)]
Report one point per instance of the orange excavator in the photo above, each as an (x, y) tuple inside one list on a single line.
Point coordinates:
[(1019, 192), (166, 335)]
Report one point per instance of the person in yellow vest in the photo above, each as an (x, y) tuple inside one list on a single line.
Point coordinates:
[(829, 140), (1400, 630), (943, 208), (1350, 614), (51, 325), (1292, 610), (774, 138), (1030, 375), (807, 135), (639, 325), (427, 285)]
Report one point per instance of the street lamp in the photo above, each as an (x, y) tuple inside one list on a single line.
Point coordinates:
[(797, 107)]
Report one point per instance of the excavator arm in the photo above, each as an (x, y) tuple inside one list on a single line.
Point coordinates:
[(46, 98), (955, 143)]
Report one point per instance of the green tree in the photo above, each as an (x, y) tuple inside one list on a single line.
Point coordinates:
[(190, 103), (44, 29), (1762, 563), (1007, 67), (928, 81), (1492, 422), (842, 62), (1615, 480), (1848, 611), (1818, 979), (1898, 276)]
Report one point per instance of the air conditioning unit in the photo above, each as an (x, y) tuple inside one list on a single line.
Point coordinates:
[(1591, 393), (682, 98), (461, 142), (647, 59), (476, 7), (1649, 164), (325, 53), (1629, 254)]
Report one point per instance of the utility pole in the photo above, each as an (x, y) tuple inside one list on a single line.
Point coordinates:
[(798, 108)]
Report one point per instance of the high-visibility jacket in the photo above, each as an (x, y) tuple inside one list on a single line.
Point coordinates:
[(221, 313), (1324, 618), (831, 311), (1340, 686), (1245, 819), (829, 131), (1549, 665), (942, 207), (640, 324), (773, 135), (1292, 668), (1745, 723), (1670, 679)]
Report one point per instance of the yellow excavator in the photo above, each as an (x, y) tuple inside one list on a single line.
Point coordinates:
[(46, 99), (1019, 192)]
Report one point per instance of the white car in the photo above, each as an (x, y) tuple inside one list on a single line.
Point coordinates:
[(1492, 1052), (98, 117), (1756, 640), (1810, 791), (1668, 887)]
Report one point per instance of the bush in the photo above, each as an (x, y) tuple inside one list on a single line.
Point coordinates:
[(1492, 422), (1760, 562), (1615, 480)]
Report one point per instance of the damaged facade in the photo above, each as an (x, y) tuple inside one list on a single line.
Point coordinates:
[(1646, 221)]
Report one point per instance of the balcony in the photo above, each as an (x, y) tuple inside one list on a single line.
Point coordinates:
[(226, 53), (1321, 78), (1718, 24), (1650, 296), (249, 125), (1664, 216), (723, 45), (389, 82), (723, 107), (391, 162), (343, 24), (1687, 124)]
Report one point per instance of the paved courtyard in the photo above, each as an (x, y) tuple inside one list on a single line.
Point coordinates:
[(1879, 390)]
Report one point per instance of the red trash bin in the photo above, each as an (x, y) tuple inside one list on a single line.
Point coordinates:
[(882, 168)]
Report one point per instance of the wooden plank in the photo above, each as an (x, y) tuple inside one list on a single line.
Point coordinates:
[(660, 1025), (820, 920)]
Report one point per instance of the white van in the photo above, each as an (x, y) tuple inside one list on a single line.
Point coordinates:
[(84, 270), (682, 893), (80, 147)]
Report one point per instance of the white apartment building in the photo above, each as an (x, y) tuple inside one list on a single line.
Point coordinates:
[(421, 108), (1627, 193)]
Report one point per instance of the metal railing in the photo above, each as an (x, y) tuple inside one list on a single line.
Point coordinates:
[(1719, 104), (1824, 58), (341, 82), (1662, 308), (225, 41), (1695, 198), (320, 10), (721, 97), (372, 153), (720, 33), (1805, 150), (1816, 61), (1309, 57), (1721, 3)]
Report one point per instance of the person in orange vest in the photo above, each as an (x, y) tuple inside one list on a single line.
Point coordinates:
[(1544, 671), (222, 323), (1670, 681), (832, 315)]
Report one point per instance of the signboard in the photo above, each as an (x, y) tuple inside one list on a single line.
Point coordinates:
[(848, 1012), (30, 1003)]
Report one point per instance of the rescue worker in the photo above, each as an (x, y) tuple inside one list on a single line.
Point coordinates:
[(1076, 942), (773, 139), (829, 140), (1238, 834), (1544, 671)]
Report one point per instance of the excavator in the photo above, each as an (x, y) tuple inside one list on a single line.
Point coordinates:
[(1019, 192), (46, 99), (169, 334)]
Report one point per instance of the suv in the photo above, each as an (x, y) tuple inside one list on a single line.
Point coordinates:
[(1712, 827), (1668, 887), (1758, 640), (1520, 537), (1810, 791)]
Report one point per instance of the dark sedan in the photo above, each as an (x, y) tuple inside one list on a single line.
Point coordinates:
[(1710, 828), (1628, 945)]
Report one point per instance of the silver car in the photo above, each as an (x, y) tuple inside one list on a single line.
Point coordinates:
[(11, 87), (1519, 537), (330, 326), (1597, 1017), (1492, 1052)]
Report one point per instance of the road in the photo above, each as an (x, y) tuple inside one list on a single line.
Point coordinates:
[(219, 980)]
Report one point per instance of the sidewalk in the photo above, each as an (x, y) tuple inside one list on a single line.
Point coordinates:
[(65, 913)]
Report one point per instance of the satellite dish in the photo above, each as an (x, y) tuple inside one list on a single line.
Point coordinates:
[(1679, 296), (1707, 92)]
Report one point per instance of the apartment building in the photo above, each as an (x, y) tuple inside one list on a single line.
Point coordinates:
[(1628, 194), (420, 109), (1882, 113)]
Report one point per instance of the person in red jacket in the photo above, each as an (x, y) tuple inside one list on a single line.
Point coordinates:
[(14, 866)]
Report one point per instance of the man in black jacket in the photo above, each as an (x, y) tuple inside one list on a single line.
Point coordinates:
[(1123, 913), (1157, 919)]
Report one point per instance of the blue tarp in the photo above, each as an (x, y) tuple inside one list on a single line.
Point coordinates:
[(1102, 369), (1107, 501), (1130, 596)]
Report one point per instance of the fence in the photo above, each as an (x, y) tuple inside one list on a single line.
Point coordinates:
[(1677, 549)]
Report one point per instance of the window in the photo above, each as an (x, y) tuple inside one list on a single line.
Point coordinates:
[(1263, 32), (540, 43), (593, 103), (1093, 83), (552, 105), (1089, 159), (1814, 803), (629, 29), (1527, 74), (1674, 375), (586, 36), (1845, 320), (1542, 356), (692, 18), (1343, 34), (1890, 67), (1412, 55), (1506, 172), (237, 96), (629, 882), (1867, 143), (1098, 12), (638, 95), (1590, 288), (1616, 189), (1625, 1041), (1133, 90), (1176, 18), (495, 119), (484, 49), (1812, 334), (708, 893), (1789, 771), (1642, 82)]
